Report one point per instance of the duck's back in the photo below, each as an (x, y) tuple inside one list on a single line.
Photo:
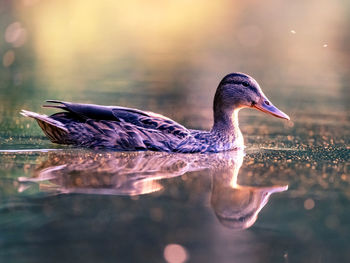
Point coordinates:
[(119, 128)]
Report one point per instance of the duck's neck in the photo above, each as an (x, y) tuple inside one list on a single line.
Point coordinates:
[(226, 125), (225, 121)]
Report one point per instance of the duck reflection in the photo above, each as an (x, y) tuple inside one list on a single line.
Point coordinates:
[(138, 173), (238, 206)]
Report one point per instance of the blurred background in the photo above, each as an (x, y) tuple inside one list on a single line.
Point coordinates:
[(169, 56)]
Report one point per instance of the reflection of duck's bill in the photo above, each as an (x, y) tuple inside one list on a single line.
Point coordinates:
[(276, 189), (270, 190), (271, 109)]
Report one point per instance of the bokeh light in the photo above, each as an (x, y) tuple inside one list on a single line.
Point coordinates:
[(175, 253), (8, 58), (309, 204), (16, 34)]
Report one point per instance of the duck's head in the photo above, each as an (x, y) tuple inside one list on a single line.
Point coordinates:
[(238, 90)]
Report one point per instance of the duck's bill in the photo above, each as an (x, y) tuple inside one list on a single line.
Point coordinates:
[(270, 109)]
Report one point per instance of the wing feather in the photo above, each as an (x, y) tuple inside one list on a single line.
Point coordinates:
[(143, 119)]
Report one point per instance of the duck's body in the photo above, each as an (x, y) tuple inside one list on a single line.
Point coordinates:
[(127, 129)]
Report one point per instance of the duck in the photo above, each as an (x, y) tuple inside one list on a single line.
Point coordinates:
[(128, 129)]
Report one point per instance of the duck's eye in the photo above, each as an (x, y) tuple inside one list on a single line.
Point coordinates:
[(266, 102), (245, 84)]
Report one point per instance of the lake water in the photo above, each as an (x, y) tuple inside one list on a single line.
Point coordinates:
[(286, 198)]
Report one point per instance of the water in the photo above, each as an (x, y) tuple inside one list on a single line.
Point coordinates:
[(286, 198)]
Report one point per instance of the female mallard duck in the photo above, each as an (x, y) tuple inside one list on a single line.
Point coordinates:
[(129, 129)]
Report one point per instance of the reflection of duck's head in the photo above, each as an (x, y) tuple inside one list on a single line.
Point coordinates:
[(238, 90), (237, 207)]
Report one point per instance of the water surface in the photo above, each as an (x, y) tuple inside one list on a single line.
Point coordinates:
[(286, 198)]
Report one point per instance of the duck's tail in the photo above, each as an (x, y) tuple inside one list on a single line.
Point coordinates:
[(55, 130)]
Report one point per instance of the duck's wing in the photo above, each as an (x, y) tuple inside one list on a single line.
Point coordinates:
[(143, 119)]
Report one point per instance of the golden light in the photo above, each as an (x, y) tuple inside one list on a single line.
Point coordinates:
[(98, 33)]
